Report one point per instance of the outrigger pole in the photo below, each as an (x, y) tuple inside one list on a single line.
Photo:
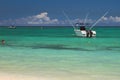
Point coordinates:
[(86, 18), (98, 20), (69, 19)]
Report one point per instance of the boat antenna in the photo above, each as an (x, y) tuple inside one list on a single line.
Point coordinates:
[(98, 20), (68, 19)]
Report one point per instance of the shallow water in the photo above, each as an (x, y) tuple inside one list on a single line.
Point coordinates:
[(57, 52)]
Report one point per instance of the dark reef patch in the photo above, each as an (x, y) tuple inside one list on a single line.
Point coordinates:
[(116, 48), (55, 47)]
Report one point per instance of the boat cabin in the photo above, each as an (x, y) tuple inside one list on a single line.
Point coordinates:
[(82, 28)]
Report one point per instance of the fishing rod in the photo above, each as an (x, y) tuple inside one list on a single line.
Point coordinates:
[(98, 20), (86, 18), (69, 20)]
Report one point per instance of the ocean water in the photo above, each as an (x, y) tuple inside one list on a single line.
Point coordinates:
[(55, 52)]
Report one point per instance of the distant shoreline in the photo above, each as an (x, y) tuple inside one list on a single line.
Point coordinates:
[(59, 26)]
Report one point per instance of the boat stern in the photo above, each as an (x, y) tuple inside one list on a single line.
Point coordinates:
[(84, 33)]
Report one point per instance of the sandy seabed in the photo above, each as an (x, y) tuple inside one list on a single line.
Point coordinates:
[(8, 76), (5, 76)]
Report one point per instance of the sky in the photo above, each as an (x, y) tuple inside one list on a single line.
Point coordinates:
[(50, 12)]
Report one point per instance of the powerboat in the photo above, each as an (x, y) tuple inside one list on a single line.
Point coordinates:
[(80, 28), (81, 31)]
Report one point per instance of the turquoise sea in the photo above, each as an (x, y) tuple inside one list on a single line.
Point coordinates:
[(56, 52)]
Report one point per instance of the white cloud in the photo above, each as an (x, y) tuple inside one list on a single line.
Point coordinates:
[(115, 19), (73, 21), (40, 19), (44, 19), (105, 20), (43, 16)]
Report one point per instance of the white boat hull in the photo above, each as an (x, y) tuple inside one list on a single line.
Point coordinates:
[(83, 33)]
